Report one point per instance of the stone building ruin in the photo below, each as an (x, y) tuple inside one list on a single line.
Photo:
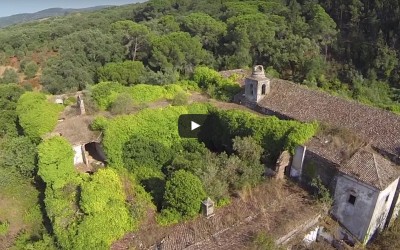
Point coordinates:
[(74, 126), (363, 180)]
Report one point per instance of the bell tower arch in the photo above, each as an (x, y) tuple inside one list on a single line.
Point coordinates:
[(257, 86)]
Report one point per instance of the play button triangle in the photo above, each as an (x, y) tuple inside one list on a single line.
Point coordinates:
[(194, 125)]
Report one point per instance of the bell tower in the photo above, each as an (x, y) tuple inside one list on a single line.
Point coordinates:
[(257, 85)]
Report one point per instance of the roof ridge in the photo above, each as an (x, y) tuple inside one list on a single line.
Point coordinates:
[(377, 171)]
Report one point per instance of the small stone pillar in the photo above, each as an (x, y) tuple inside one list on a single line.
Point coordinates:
[(281, 165), (207, 208), (297, 163), (81, 105)]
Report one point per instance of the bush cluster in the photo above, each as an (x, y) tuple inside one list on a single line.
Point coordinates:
[(214, 84), (105, 94), (36, 115)]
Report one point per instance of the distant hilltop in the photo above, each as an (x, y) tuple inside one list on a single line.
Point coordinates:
[(52, 12)]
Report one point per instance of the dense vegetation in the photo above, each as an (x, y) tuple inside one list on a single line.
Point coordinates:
[(326, 44), (37, 116), (127, 57), (147, 144)]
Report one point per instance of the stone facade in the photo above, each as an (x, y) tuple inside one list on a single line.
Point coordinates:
[(364, 179), (257, 86), (360, 208)]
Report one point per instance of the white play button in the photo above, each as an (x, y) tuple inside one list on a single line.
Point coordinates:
[(194, 125)]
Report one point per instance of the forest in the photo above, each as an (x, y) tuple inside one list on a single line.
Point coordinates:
[(346, 48), (131, 56)]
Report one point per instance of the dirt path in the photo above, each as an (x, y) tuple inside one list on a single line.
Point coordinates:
[(273, 207)]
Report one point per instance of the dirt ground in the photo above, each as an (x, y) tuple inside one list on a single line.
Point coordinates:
[(274, 207)]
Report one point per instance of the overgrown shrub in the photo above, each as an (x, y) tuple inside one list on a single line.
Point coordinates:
[(105, 94), (168, 217), (154, 124), (18, 154), (140, 151), (321, 192), (180, 99), (263, 241), (273, 134), (56, 162), (36, 115), (215, 85), (184, 193), (122, 105), (99, 123)]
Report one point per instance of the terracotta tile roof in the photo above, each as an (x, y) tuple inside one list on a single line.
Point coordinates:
[(370, 168), (322, 148), (379, 127)]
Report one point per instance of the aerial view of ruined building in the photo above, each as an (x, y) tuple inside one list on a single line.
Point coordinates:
[(356, 158)]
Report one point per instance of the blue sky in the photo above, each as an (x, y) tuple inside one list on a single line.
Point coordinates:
[(11, 7)]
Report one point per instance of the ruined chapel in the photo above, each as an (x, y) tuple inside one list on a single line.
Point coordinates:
[(357, 157)]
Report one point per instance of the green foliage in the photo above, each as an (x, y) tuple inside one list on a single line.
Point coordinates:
[(180, 99), (154, 124), (99, 123), (309, 42), (135, 37), (141, 151), (321, 192), (36, 115), (73, 71), (184, 193), (263, 241), (56, 162), (122, 105), (206, 27), (215, 85), (19, 209), (250, 153), (177, 51), (9, 95), (24, 242), (18, 154), (31, 69), (4, 226), (106, 93), (9, 76), (107, 218), (274, 135), (168, 217), (223, 202), (126, 73)]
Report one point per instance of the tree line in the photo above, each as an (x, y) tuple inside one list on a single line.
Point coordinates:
[(345, 47)]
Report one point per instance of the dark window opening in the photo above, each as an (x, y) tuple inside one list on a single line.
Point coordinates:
[(387, 198), (263, 89), (251, 89), (352, 199)]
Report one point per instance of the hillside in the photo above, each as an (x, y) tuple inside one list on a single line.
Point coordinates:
[(52, 12), (305, 43)]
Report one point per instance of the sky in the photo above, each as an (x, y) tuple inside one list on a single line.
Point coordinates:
[(11, 7)]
